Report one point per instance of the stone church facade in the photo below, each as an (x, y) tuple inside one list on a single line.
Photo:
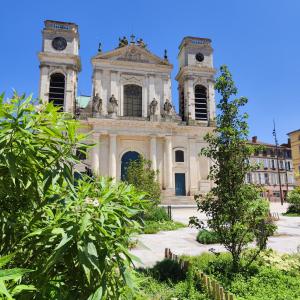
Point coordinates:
[(131, 111)]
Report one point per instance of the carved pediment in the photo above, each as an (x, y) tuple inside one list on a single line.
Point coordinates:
[(131, 53)]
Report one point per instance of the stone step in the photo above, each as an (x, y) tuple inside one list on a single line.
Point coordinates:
[(178, 200)]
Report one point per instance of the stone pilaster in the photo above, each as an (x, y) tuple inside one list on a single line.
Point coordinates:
[(95, 159), (113, 156), (169, 163), (153, 155)]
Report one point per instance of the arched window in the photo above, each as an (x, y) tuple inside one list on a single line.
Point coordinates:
[(179, 156), (126, 159), (57, 89), (132, 100), (200, 103)]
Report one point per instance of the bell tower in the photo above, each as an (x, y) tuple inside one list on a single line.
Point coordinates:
[(196, 81), (59, 64)]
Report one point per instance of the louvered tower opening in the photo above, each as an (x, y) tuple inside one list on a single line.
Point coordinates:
[(200, 103), (57, 89)]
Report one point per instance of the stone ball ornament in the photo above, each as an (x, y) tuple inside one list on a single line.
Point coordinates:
[(199, 57), (59, 43)]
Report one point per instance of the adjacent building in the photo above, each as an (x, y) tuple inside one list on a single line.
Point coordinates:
[(295, 146), (275, 172), (131, 111)]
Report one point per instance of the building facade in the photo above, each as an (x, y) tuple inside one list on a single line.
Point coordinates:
[(131, 111), (275, 169), (295, 146)]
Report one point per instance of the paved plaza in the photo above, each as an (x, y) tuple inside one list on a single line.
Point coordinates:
[(151, 247)]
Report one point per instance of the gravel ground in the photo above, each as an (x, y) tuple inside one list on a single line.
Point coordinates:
[(150, 248)]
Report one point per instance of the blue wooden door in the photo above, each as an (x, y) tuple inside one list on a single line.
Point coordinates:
[(180, 184), (126, 158)]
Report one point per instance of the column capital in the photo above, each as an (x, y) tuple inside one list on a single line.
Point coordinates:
[(96, 134)]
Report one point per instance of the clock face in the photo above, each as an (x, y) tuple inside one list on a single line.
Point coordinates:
[(59, 43), (199, 57)]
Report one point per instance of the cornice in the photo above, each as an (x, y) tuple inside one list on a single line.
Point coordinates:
[(129, 66), (49, 58), (143, 128), (195, 71)]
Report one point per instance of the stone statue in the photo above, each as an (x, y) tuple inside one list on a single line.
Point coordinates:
[(123, 42), (113, 103), (141, 43), (97, 104), (153, 106), (168, 107)]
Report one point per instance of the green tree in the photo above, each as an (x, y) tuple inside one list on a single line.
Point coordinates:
[(294, 200), (144, 178), (235, 210)]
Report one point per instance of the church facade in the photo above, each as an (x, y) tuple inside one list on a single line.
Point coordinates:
[(131, 111)]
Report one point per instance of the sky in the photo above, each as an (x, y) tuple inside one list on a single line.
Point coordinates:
[(258, 40)]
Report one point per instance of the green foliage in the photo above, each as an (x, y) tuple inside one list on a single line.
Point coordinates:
[(235, 209), (168, 269), (74, 238), (156, 214), (166, 281), (9, 278), (153, 289), (37, 151), (205, 236), (79, 246), (156, 219), (271, 276), (144, 178), (151, 227), (294, 200)]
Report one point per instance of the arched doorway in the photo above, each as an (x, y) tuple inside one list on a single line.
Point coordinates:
[(126, 158)]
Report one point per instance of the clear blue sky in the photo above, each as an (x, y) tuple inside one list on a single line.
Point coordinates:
[(258, 39)]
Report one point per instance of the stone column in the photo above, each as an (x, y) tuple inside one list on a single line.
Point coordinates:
[(169, 162), (191, 98), (96, 154), (211, 101), (153, 152), (113, 156), (145, 97), (193, 165), (44, 83), (69, 91)]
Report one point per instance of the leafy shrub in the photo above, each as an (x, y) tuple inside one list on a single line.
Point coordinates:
[(37, 145), (9, 279), (79, 246), (168, 269), (74, 237), (144, 178), (156, 214), (153, 288), (294, 200), (271, 276), (269, 284), (205, 236)]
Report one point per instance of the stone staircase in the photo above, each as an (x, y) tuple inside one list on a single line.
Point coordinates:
[(178, 200)]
